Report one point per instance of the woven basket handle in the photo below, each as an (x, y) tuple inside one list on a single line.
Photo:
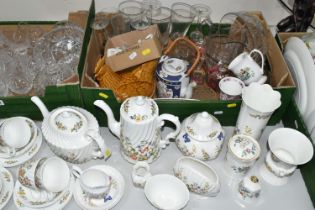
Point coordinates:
[(197, 59)]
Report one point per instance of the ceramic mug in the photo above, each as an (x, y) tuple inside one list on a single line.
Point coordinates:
[(249, 188), (231, 88), (288, 149), (246, 69), (52, 174), (242, 153), (140, 173), (94, 183), (11, 140)]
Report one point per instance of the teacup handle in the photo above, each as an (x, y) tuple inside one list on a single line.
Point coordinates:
[(262, 59), (76, 171), (95, 136), (175, 121)]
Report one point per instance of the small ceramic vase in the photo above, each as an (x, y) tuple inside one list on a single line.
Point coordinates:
[(231, 88), (249, 188), (198, 176), (246, 69), (172, 80), (259, 102), (242, 153), (201, 136), (139, 128), (288, 149), (140, 173)]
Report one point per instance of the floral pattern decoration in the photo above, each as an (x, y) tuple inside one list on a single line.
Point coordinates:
[(245, 74)]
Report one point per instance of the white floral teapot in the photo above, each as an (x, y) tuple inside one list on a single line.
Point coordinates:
[(139, 128), (72, 133), (201, 136)]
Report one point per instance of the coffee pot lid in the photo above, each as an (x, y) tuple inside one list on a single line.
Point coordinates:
[(139, 109), (203, 127)]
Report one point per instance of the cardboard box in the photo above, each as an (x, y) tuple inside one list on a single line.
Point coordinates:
[(140, 46), (225, 111), (67, 93)]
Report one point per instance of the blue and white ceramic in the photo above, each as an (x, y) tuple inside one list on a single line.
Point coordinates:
[(173, 82)]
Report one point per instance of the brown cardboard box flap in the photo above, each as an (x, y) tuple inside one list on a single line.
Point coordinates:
[(137, 48)]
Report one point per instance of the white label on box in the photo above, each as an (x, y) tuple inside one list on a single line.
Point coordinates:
[(132, 55), (1, 103)]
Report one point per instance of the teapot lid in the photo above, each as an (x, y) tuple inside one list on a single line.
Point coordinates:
[(174, 66), (203, 127), (244, 147), (68, 121), (139, 109)]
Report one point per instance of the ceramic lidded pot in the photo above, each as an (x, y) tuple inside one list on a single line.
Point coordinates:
[(172, 77), (201, 136), (249, 188), (72, 133), (242, 153), (139, 128)]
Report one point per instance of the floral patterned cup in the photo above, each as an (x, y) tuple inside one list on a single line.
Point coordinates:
[(246, 69), (242, 153), (27, 173)]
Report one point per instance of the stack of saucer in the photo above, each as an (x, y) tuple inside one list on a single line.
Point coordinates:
[(6, 187), (20, 140), (43, 184)]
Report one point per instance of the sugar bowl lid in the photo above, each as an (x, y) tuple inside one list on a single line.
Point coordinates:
[(203, 127), (244, 147), (139, 109)]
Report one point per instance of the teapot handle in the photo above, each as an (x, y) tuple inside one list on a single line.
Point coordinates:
[(174, 120), (95, 136), (262, 59)]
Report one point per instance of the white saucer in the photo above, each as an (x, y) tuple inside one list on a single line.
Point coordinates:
[(17, 160), (7, 187), (21, 194), (115, 194)]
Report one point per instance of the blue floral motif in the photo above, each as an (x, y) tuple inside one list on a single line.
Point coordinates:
[(186, 138), (107, 198), (221, 136)]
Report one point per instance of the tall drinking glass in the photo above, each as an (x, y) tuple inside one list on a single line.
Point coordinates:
[(134, 14), (182, 16), (162, 17), (203, 18)]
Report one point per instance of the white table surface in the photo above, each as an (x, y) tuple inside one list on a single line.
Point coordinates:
[(291, 196)]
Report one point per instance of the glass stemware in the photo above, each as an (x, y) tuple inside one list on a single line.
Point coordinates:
[(203, 18), (182, 16), (99, 26)]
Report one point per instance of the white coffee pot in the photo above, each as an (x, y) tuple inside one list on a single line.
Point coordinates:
[(139, 128)]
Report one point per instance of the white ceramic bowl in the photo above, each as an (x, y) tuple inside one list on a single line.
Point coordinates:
[(166, 192), (198, 176), (290, 146)]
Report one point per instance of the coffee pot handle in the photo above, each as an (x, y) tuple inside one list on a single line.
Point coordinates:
[(262, 59), (76, 171), (164, 142), (95, 136)]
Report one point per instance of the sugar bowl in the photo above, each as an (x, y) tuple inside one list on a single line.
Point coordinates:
[(201, 136)]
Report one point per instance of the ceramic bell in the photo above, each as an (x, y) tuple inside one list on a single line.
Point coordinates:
[(201, 136)]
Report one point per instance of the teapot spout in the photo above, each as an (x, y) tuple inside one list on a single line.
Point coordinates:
[(187, 92), (113, 125), (36, 100)]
